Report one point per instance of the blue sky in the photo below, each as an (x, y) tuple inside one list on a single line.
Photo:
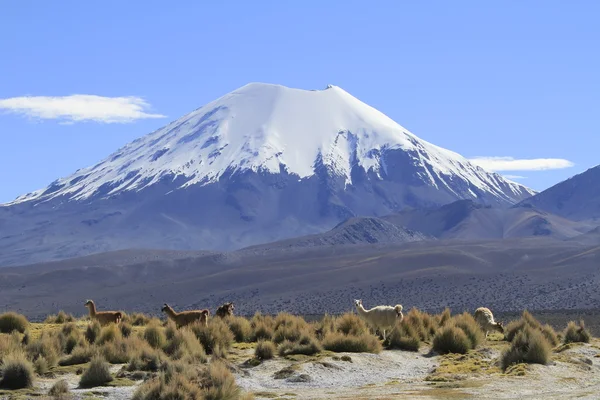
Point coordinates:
[(511, 79)]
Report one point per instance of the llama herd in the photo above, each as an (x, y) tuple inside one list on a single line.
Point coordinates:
[(382, 318), (182, 318)]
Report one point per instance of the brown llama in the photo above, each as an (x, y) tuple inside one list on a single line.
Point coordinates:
[(225, 310), (103, 317), (184, 318)]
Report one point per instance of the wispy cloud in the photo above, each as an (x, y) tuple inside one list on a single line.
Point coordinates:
[(512, 164), (80, 107), (514, 176)]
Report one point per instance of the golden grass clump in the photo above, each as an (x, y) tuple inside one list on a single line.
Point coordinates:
[(109, 333), (184, 345), (528, 346), (338, 342), (241, 328), (154, 334), (97, 374), (307, 345), (528, 320), (576, 333), (351, 324), (60, 389), (92, 331), (215, 338), (47, 346), (60, 318), (470, 327), (81, 354), (9, 344), (404, 336), (264, 350), (146, 360), (17, 372), (12, 321), (122, 350), (451, 339), (289, 327), (423, 324)]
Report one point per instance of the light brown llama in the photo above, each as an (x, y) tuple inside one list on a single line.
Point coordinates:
[(103, 317), (225, 310), (485, 319), (184, 318)]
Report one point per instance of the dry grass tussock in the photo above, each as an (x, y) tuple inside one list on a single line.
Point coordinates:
[(459, 334), (528, 346), (11, 321), (289, 327), (216, 337), (263, 327), (60, 318), (214, 382), (17, 372), (528, 320), (264, 350), (60, 389), (576, 333), (241, 328), (97, 374)]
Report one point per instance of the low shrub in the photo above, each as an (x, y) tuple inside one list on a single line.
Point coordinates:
[(81, 354), (307, 346), (12, 321), (109, 333), (185, 345), (97, 374), (262, 331), (155, 336), (422, 323), (175, 388), (444, 317), (528, 346), (138, 319), (338, 342), (60, 389), (146, 360), (61, 318), (93, 331), (289, 327), (470, 327), (9, 344), (17, 372), (241, 329), (216, 337), (550, 335), (403, 337), (47, 346), (264, 350), (122, 350), (125, 328), (351, 324), (576, 333), (451, 339), (41, 366), (218, 383)]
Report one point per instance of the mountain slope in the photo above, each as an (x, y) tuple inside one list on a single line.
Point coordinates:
[(260, 164), (265, 128), (576, 198), (465, 219)]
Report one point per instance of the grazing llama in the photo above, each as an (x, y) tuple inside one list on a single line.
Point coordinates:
[(104, 317), (225, 310), (383, 318), (485, 319), (184, 318)]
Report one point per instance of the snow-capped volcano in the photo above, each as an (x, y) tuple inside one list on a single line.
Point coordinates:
[(262, 163), (266, 128)]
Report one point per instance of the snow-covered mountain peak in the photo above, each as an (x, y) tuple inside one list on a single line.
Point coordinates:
[(267, 128)]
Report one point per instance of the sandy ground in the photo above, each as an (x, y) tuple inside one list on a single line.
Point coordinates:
[(573, 373)]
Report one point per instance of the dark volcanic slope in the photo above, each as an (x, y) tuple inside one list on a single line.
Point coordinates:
[(576, 198), (505, 275), (465, 219)]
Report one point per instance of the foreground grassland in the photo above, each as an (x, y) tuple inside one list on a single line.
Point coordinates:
[(441, 356)]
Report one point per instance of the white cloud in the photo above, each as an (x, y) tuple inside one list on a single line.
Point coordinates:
[(80, 107), (512, 164), (514, 176)]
